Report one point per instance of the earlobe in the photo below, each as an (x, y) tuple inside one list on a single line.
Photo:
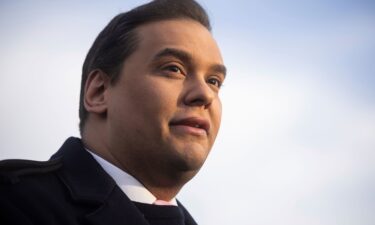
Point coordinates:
[(96, 87)]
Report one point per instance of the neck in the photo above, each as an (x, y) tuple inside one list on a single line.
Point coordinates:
[(166, 194), (162, 181), (163, 185)]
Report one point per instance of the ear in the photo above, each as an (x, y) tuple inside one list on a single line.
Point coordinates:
[(96, 88)]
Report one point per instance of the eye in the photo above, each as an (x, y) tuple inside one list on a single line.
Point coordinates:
[(214, 81), (173, 69)]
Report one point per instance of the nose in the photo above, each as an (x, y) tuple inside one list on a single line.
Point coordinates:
[(199, 93)]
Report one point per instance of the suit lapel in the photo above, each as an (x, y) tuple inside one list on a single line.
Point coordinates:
[(116, 210), (89, 184)]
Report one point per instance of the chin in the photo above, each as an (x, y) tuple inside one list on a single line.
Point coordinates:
[(190, 158)]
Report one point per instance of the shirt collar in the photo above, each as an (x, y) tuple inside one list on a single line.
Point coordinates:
[(127, 183)]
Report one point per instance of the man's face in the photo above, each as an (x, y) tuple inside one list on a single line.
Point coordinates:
[(164, 111)]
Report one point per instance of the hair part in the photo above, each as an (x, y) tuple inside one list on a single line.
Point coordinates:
[(118, 40)]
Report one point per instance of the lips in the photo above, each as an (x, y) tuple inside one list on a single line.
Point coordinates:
[(194, 122)]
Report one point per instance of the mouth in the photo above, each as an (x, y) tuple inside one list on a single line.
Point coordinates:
[(194, 125)]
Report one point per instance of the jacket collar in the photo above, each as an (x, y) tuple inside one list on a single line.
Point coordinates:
[(88, 183)]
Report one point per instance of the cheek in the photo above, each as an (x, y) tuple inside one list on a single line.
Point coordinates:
[(218, 110), (154, 99), (216, 115)]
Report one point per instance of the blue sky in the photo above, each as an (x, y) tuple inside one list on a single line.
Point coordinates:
[(298, 132)]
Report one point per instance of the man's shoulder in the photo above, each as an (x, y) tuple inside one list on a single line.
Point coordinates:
[(14, 170), (24, 184), (42, 192)]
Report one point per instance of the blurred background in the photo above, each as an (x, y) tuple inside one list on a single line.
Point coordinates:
[(297, 142)]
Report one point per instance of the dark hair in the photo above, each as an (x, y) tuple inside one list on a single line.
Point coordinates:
[(118, 39)]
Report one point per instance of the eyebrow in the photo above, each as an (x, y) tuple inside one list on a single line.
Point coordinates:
[(186, 57)]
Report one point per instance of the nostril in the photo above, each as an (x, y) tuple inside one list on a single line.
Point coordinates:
[(197, 102), (198, 94)]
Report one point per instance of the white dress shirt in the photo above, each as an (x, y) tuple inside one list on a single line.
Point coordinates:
[(128, 184)]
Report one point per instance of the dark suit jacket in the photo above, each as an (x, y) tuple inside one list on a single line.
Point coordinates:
[(71, 188)]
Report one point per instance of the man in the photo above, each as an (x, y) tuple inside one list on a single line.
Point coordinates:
[(150, 113)]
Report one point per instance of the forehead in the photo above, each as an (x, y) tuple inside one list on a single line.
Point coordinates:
[(186, 35)]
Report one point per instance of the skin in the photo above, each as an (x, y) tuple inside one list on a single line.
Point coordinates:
[(175, 74)]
